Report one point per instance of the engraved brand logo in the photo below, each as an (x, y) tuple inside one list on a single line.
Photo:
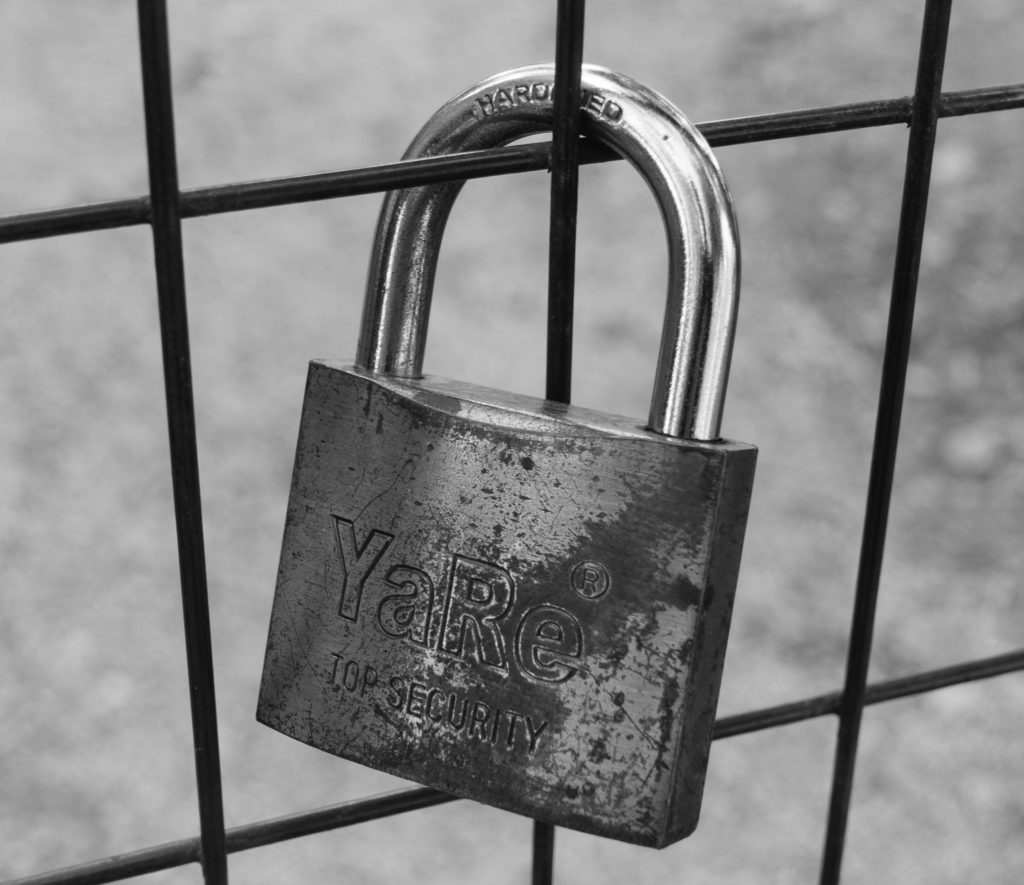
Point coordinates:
[(473, 617), (537, 93)]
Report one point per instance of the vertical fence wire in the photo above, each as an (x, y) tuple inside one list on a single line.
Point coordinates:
[(170, 282), (921, 141), (565, 160)]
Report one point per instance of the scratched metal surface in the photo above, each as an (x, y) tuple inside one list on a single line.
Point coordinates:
[(95, 752), (522, 604)]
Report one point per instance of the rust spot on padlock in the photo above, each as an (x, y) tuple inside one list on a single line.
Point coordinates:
[(521, 602)]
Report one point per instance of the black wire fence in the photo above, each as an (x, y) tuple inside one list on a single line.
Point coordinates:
[(166, 205)]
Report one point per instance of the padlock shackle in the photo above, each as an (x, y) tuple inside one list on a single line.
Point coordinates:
[(676, 162)]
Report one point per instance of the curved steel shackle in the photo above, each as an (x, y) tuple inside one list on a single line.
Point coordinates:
[(676, 162)]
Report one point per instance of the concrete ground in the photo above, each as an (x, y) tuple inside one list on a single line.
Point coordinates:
[(95, 752)]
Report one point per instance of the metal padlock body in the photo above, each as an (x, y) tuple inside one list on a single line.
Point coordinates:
[(477, 582), (515, 601)]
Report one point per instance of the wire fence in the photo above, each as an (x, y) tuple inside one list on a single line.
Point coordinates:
[(166, 205)]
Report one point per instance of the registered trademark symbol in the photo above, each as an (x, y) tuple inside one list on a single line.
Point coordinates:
[(590, 579)]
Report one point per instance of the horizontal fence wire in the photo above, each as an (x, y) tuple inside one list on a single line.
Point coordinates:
[(254, 835), (167, 205), (240, 196), (261, 833)]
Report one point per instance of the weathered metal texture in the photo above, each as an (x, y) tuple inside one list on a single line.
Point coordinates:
[(518, 602), (515, 601)]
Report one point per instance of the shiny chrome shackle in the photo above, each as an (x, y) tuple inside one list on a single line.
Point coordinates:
[(676, 162)]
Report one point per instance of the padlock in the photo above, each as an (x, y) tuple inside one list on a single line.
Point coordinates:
[(512, 600)]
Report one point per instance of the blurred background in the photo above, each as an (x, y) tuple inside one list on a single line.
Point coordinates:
[(95, 747)]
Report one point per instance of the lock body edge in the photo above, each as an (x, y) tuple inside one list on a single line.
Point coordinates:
[(576, 646)]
